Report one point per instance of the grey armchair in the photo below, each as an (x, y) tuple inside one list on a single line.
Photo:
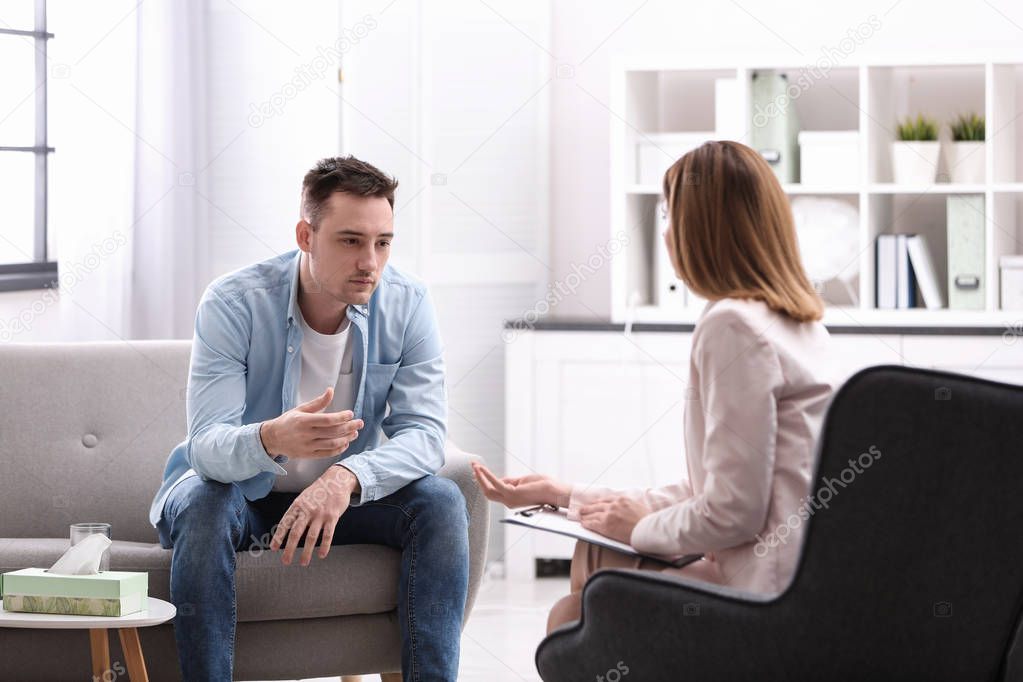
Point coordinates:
[(85, 429), (913, 571)]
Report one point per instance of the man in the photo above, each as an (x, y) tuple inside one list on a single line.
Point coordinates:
[(293, 362)]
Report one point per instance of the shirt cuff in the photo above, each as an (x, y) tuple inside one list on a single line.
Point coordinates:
[(260, 455), (367, 482), (650, 536)]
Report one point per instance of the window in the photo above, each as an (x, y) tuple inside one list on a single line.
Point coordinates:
[(26, 258)]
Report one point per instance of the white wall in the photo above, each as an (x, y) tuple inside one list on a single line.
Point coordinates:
[(586, 36), (274, 112)]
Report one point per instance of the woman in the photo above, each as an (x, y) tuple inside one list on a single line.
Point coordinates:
[(759, 385)]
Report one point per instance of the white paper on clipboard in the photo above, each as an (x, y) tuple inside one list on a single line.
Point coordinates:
[(553, 520)]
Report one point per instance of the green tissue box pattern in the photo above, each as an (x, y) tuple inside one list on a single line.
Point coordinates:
[(71, 606)]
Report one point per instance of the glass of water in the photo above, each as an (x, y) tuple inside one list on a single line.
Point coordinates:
[(80, 531)]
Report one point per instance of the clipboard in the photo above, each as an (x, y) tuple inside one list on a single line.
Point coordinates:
[(551, 519)]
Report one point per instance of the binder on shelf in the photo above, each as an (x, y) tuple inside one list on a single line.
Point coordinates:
[(965, 219), (670, 292), (926, 275), (775, 124)]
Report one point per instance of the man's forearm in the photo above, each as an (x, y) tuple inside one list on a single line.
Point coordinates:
[(407, 456), (268, 438), (229, 453), (347, 478)]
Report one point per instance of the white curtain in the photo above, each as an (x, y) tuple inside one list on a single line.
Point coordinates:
[(170, 180), (91, 119), (161, 179)]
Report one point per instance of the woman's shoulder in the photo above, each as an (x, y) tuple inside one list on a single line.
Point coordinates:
[(740, 315), (737, 320)]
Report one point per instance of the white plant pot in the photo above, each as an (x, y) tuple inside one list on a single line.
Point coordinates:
[(915, 163), (966, 162)]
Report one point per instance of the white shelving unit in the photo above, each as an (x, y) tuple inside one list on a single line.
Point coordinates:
[(663, 95)]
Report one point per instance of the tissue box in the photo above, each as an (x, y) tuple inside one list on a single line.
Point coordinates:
[(108, 593)]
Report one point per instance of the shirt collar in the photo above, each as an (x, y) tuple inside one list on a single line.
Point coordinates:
[(296, 263), (293, 302)]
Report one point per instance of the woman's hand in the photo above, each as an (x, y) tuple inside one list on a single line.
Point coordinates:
[(613, 517), (521, 491)]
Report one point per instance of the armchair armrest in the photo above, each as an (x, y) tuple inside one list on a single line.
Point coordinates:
[(652, 623), (457, 467)]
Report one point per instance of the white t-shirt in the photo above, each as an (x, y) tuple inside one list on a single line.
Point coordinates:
[(326, 360)]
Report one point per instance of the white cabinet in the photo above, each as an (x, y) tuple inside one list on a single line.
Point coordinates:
[(853, 352), (999, 358), (605, 408), (594, 407)]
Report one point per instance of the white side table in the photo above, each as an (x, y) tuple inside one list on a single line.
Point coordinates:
[(157, 611)]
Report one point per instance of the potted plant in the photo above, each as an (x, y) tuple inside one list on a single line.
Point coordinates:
[(966, 153), (915, 154)]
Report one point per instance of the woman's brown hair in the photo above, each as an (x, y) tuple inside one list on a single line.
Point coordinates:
[(731, 230)]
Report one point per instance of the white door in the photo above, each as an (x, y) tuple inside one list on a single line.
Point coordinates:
[(452, 99)]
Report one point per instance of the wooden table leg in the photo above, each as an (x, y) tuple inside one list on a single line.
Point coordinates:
[(133, 655), (100, 647)]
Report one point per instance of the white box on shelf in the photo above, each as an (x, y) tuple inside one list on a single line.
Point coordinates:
[(656, 152), (829, 157), (1012, 282), (728, 118)]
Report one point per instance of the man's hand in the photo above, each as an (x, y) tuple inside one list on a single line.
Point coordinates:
[(521, 491), (316, 509), (614, 517), (307, 433)]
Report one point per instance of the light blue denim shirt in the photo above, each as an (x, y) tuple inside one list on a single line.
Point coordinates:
[(245, 369)]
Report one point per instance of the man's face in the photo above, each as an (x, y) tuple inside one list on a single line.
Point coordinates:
[(350, 247)]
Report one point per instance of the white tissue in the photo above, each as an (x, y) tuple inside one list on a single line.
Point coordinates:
[(83, 558)]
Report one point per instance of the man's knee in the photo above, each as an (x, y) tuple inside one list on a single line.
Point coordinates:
[(442, 503), (199, 507)]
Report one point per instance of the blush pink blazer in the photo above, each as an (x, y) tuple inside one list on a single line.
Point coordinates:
[(759, 386)]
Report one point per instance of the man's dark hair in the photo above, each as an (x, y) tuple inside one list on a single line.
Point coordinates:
[(343, 174)]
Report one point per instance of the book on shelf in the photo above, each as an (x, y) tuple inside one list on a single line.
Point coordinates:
[(885, 272), (905, 283), (896, 277), (928, 283)]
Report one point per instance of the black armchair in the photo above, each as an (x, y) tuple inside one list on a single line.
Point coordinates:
[(913, 571)]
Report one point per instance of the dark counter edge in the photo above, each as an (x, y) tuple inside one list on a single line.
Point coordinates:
[(599, 326)]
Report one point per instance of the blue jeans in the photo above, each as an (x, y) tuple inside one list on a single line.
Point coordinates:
[(206, 522)]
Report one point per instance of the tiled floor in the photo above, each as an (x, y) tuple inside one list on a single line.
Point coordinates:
[(507, 623), (509, 620)]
